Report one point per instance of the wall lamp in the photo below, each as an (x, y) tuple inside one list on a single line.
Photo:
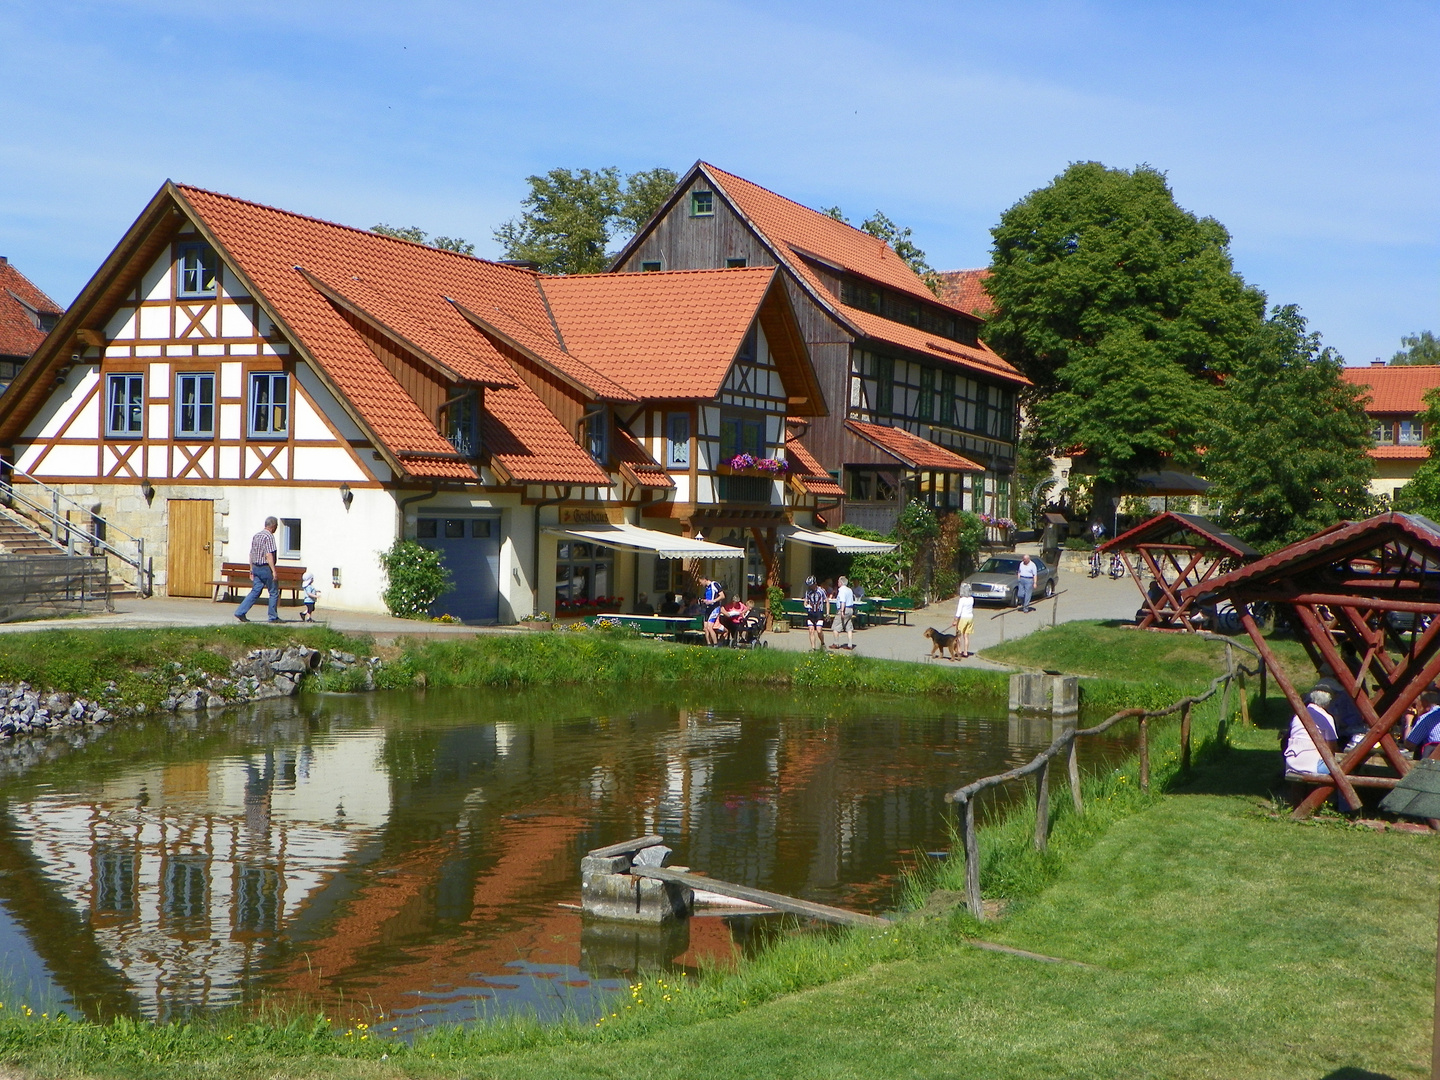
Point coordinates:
[(147, 489), (346, 496)]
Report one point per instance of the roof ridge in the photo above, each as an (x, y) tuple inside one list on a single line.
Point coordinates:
[(351, 228), (610, 275)]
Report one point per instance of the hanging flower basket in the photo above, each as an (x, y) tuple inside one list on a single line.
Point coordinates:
[(748, 465)]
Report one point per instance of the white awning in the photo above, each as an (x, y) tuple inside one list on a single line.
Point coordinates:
[(666, 545), (846, 545)]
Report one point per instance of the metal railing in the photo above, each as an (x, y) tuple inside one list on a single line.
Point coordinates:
[(1067, 741), (64, 532)]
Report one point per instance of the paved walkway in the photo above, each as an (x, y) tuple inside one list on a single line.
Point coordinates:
[(1080, 597)]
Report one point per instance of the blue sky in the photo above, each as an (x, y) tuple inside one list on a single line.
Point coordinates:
[(1309, 129)]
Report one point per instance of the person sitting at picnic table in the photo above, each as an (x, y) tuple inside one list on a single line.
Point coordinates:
[(643, 605), (1301, 753), (733, 614), (693, 608), (671, 604), (1350, 726), (1424, 733)]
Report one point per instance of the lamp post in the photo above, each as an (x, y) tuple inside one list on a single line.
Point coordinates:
[(1115, 516)]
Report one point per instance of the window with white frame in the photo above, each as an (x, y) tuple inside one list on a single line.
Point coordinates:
[(269, 404), (195, 405), (198, 270), (289, 538), (1410, 433), (677, 439), (125, 405)]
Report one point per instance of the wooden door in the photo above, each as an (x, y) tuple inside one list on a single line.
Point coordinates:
[(192, 535)]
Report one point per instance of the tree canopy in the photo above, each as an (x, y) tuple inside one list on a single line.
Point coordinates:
[(1288, 455), (571, 215), (420, 236), (1124, 310), (1421, 348)]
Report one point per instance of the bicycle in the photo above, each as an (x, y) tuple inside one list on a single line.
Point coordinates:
[(1095, 564), (1117, 566)]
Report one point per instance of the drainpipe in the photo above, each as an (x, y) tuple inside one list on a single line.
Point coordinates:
[(434, 490), (535, 592)]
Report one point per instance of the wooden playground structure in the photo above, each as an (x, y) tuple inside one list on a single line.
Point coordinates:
[(1181, 553)]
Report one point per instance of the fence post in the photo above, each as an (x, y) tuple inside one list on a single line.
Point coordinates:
[(1144, 754), (1042, 807), (1244, 696), (1074, 767), (55, 516), (1185, 738), (972, 864)]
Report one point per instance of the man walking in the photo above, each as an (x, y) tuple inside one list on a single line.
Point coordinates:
[(844, 615), (1026, 587), (262, 571)]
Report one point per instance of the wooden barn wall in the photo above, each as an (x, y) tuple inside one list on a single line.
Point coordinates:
[(424, 385), (681, 242)]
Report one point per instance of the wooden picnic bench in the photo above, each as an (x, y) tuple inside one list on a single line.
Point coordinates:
[(235, 577), (664, 626)]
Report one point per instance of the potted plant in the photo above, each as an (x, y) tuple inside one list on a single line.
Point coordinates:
[(775, 598)]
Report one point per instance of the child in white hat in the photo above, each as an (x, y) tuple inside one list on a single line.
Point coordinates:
[(309, 594)]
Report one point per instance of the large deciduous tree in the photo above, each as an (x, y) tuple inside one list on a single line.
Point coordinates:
[(571, 215), (1422, 494), (417, 235), (1125, 311), (1421, 348), (1288, 455)]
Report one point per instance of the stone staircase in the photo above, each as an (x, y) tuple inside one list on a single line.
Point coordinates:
[(19, 538)]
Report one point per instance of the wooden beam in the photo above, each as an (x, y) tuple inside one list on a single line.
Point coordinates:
[(627, 847), (759, 896)]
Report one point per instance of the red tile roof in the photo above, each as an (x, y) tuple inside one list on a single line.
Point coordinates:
[(1399, 453), (19, 336), (966, 357), (788, 222), (410, 288), (1397, 389), (912, 450), (643, 469), (965, 289), (659, 335), (808, 471)]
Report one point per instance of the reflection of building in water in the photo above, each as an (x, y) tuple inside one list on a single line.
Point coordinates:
[(186, 871)]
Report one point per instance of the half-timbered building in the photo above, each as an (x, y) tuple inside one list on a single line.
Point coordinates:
[(559, 439), (26, 316), (889, 353)]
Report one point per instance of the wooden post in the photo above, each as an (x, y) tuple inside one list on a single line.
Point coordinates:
[(1144, 755), (1042, 807), (1244, 697), (1074, 765), (1185, 738), (1262, 678), (972, 864)]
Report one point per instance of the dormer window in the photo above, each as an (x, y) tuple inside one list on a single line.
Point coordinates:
[(462, 422), (597, 437), (702, 204), (198, 270)]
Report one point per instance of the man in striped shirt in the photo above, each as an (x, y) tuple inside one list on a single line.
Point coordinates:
[(262, 571)]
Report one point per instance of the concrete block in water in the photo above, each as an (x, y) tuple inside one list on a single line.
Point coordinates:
[(623, 898), (1039, 692), (595, 864)]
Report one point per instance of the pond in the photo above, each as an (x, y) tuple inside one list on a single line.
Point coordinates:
[(408, 854)]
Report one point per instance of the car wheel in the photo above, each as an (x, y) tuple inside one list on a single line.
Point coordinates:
[(1012, 597), (1049, 589)]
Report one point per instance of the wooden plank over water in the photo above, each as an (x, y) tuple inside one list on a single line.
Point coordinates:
[(626, 847), (743, 892)]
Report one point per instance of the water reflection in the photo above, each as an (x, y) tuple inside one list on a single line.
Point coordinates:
[(413, 852)]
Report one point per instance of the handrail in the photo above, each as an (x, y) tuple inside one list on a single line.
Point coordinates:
[(51, 514), (1069, 740)]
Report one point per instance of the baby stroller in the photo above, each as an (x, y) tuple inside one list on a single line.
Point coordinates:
[(747, 633)]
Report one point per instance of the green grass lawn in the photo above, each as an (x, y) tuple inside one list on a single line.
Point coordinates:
[(1224, 941)]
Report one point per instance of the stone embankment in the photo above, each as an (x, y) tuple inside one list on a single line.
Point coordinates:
[(262, 675)]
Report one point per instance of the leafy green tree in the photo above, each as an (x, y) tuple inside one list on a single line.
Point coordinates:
[(881, 227), (420, 236), (1034, 476), (1288, 456), (571, 215), (1421, 348), (1125, 311), (1422, 494)]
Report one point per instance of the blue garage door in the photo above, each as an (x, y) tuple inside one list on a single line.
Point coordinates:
[(471, 547)]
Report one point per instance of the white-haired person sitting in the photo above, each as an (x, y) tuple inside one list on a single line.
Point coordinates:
[(1301, 753)]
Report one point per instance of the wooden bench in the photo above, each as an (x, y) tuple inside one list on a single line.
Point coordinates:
[(235, 577), (898, 607)]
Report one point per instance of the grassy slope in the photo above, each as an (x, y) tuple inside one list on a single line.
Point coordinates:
[(1228, 942)]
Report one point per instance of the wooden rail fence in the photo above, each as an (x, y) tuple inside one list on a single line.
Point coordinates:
[(1067, 741)]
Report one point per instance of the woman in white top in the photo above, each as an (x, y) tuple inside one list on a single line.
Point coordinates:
[(964, 619), (1301, 753)]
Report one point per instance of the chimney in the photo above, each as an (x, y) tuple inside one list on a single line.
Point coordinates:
[(3, 260), (1377, 362)]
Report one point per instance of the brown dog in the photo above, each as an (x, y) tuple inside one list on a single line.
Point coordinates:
[(942, 643)]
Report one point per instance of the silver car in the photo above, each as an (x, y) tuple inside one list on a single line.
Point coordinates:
[(998, 580)]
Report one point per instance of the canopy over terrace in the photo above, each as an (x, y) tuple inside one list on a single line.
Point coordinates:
[(845, 545), (1364, 596), (1180, 551), (665, 545)]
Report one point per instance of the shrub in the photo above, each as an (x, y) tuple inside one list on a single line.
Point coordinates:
[(416, 577), (775, 598)]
